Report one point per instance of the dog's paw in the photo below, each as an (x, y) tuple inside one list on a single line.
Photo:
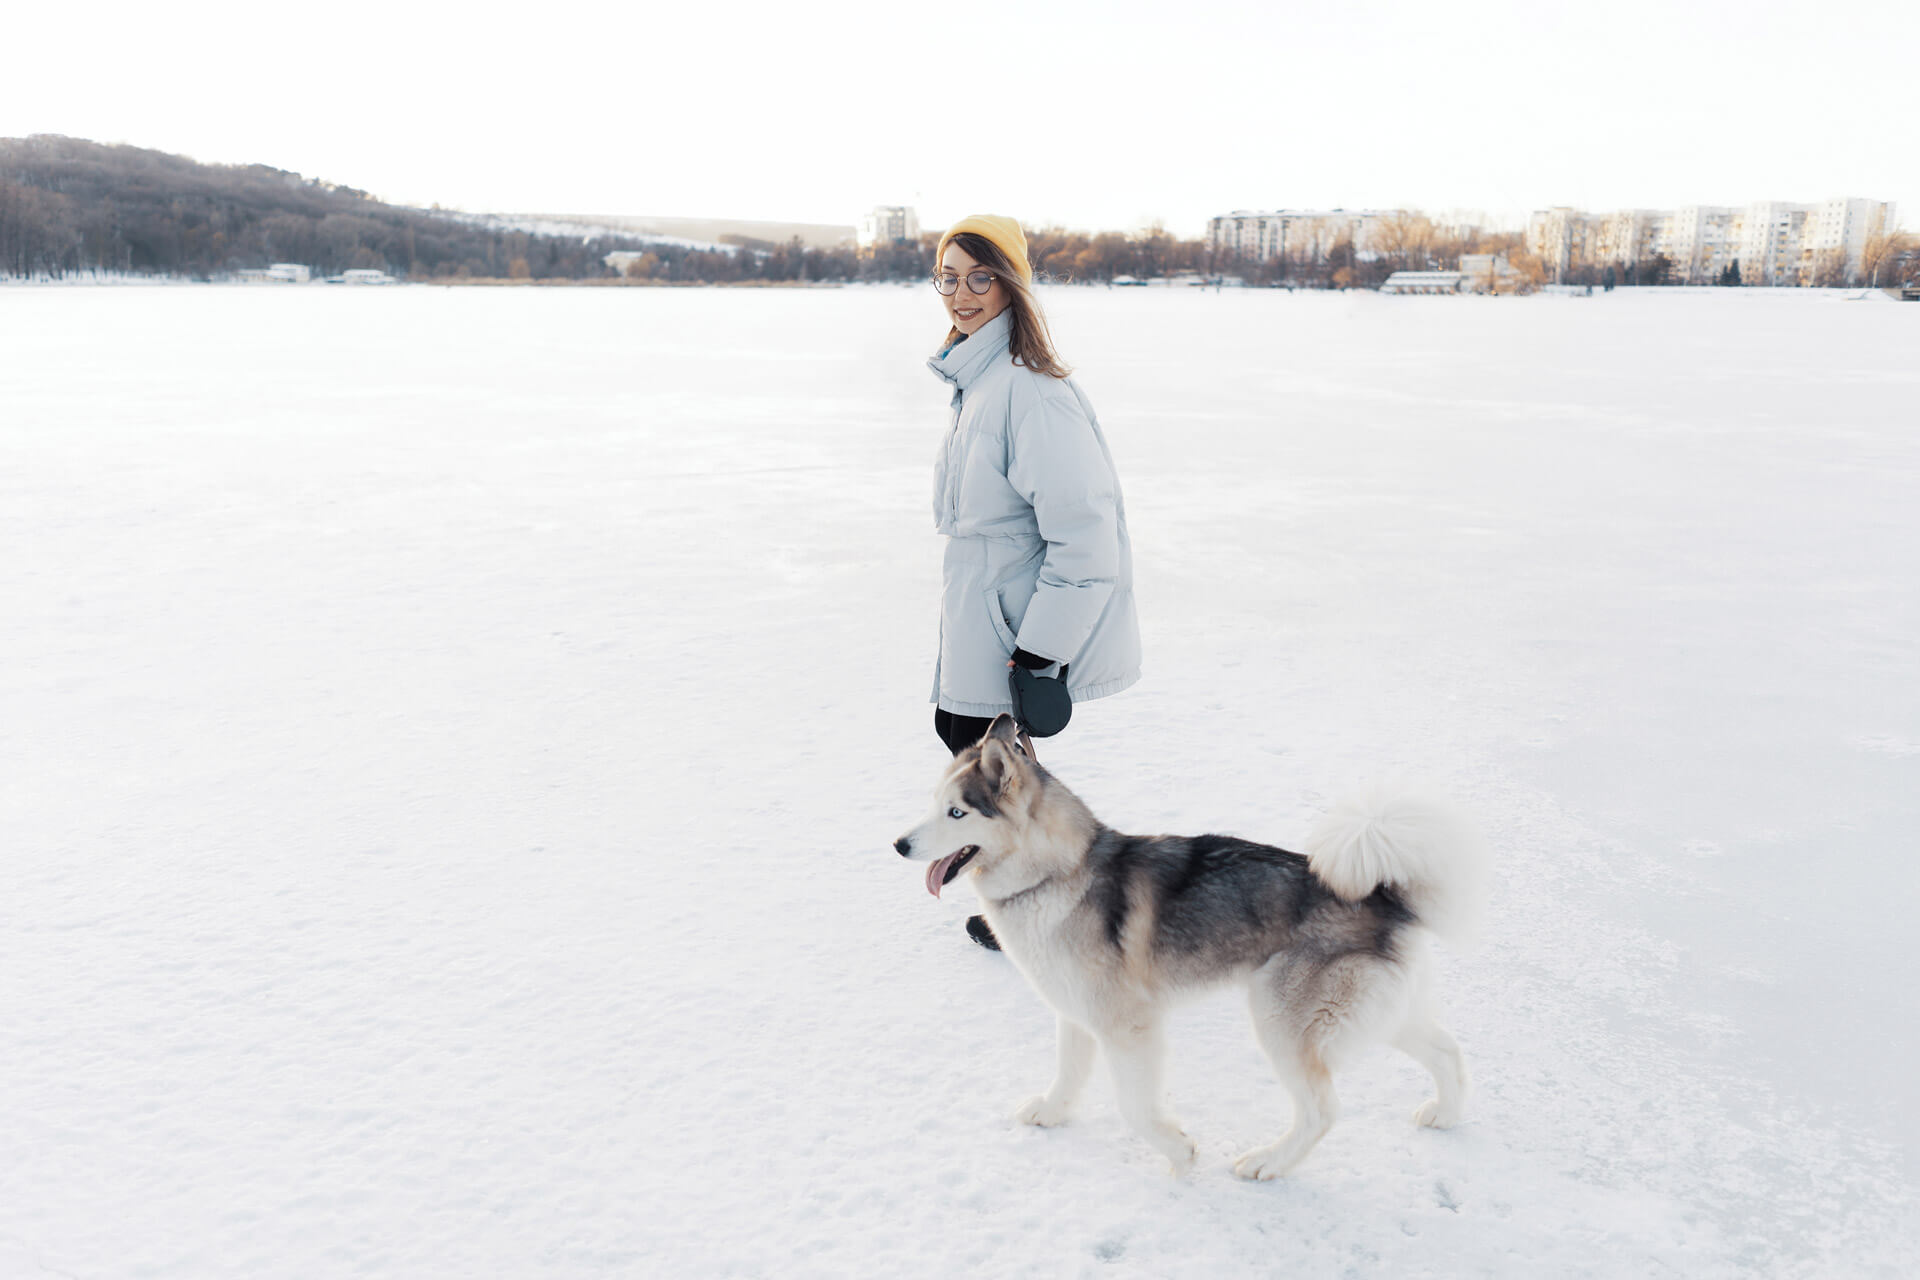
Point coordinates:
[(1181, 1154), (1042, 1112), (1263, 1164), (1431, 1115)]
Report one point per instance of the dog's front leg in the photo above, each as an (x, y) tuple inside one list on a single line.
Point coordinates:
[(1134, 1053), (1069, 1077)]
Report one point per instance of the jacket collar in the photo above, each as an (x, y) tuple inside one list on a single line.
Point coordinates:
[(964, 362)]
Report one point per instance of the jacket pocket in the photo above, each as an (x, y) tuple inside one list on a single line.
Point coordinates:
[(1000, 628)]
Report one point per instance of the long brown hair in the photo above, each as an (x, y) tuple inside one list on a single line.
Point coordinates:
[(1028, 340)]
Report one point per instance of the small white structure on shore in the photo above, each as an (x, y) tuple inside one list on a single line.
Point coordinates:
[(363, 275), (1425, 282), (277, 273), (1490, 273)]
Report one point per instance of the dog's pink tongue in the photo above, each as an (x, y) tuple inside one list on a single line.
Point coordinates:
[(937, 872)]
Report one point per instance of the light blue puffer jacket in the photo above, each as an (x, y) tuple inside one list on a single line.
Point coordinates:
[(1037, 553)]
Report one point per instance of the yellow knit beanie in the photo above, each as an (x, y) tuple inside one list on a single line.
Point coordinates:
[(1003, 234)]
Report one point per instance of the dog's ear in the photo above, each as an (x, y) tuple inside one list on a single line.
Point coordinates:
[(1002, 762), (1005, 728)]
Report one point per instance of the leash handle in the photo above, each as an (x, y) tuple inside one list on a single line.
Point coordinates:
[(1020, 711)]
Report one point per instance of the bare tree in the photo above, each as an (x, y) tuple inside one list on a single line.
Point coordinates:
[(1830, 269), (1883, 248), (1406, 238)]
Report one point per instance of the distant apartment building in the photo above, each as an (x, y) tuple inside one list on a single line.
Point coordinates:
[(1294, 234), (1774, 243), (888, 224)]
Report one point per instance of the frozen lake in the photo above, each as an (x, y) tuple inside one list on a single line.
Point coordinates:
[(450, 741)]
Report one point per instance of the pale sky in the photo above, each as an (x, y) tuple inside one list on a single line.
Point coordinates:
[(1093, 115)]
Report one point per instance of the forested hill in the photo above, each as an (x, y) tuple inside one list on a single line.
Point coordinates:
[(68, 205)]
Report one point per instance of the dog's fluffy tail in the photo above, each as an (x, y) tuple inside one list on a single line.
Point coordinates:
[(1412, 839)]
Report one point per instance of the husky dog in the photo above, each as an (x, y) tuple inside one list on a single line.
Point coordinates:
[(1110, 928)]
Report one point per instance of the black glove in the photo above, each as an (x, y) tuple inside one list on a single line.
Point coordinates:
[(1031, 661)]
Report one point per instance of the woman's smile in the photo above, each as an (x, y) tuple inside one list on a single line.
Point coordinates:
[(968, 309)]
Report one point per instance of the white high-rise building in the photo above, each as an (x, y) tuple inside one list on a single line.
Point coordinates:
[(1701, 241), (1834, 236), (1774, 242), (1770, 233), (1628, 236), (888, 224), (1560, 237), (1294, 234)]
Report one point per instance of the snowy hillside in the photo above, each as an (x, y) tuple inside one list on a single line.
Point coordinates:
[(450, 742)]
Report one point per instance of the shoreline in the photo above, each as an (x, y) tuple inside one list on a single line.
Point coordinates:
[(1893, 293), (161, 281)]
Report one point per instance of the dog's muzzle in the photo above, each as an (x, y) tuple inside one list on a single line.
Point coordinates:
[(941, 871)]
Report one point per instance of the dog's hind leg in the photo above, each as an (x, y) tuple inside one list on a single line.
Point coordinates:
[(1433, 1047), (1315, 1106), (1295, 1023), (1134, 1053), (1070, 1076)]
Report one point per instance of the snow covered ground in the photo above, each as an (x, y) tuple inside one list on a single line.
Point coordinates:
[(450, 742)]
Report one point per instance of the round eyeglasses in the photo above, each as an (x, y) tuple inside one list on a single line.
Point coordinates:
[(977, 282)]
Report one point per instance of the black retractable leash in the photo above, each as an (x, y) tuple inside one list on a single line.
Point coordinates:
[(1041, 704)]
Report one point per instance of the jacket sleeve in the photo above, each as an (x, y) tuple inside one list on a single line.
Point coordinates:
[(1058, 464)]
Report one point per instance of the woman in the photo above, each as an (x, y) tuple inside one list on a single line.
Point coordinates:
[(1038, 568)]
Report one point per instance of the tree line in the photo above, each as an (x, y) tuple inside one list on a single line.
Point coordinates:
[(1057, 255), (1405, 240), (69, 206)]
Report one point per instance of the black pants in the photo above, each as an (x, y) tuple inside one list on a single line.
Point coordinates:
[(959, 732)]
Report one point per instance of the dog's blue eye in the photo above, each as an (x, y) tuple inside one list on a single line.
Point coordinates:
[(956, 812)]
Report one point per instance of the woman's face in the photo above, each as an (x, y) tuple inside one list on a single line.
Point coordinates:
[(969, 310)]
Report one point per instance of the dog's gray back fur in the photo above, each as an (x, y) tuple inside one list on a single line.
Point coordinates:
[(1185, 911), (1219, 904)]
